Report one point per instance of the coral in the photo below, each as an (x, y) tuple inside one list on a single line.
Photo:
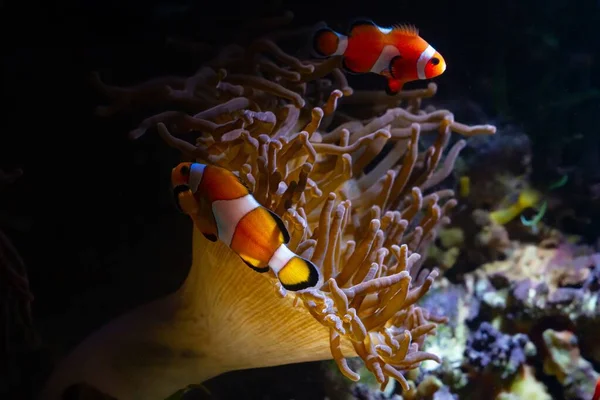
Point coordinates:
[(525, 386), (564, 361), (489, 351), (533, 289), (451, 241), (546, 283), (496, 166), (458, 304), (429, 388), (267, 116), (537, 288)]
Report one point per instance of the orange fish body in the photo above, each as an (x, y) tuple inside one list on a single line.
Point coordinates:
[(223, 208), (597, 391), (398, 53)]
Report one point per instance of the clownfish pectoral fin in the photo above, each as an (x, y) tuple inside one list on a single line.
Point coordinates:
[(298, 274), (184, 199), (359, 25), (257, 269), (393, 86), (186, 203), (281, 226), (392, 69)]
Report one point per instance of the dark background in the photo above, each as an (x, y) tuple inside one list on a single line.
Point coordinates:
[(92, 215)]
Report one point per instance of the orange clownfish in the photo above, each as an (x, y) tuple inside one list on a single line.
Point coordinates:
[(398, 53), (597, 391), (223, 208)]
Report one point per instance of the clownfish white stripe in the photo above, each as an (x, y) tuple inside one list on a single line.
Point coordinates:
[(423, 60), (280, 258), (196, 171), (229, 212), (384, 30), (386, 56), (342, 45)]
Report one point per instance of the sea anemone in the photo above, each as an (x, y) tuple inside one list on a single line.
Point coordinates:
[(267, 116)]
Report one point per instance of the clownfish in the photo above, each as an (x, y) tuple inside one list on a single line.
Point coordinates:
[(223, 208), (398, 53), (597, 391)]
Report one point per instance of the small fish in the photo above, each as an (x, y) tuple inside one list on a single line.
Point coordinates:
[(597, 391), (223, 208), (398, 53)]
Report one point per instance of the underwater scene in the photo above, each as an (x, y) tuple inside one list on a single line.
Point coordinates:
[(282, 200)]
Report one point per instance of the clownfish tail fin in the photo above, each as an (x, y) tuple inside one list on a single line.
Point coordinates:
[(299, 274), (327, 43)]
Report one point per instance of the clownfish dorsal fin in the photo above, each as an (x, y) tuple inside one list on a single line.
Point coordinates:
[(242, 183), (407, 29), (359, 25), (281, 226)]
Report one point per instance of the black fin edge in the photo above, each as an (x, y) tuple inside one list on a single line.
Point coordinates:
[(281, 226), (313, 278), (358, 21), (210, 236), (257, 269)]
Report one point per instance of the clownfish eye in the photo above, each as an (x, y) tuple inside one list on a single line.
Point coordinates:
[(185, 170), (435, 61)]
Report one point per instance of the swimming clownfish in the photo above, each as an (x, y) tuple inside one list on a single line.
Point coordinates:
[(223, 208), (398, 53)]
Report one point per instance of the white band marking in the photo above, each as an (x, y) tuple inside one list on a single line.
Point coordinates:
[(228, 214), (342, 45), (383, 62), (423, 60), (280, 258), (196, 172)]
